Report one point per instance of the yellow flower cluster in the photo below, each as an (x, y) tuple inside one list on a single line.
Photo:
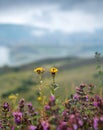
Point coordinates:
[(12, 97), (40, 70)]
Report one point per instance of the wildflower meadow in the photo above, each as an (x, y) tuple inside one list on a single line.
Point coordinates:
[(82, 110)]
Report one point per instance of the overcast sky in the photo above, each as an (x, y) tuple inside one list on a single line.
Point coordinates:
[(66, 16), (64, 22)]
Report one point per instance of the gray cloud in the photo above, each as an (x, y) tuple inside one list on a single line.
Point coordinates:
[(87, 5), (54, 15)]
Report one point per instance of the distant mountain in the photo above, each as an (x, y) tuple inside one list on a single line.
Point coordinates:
[(22, 47), (19, 54)]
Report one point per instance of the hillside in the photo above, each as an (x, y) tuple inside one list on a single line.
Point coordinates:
[(72, 72)]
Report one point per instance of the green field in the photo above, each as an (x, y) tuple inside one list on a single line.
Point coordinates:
[(72, 72)]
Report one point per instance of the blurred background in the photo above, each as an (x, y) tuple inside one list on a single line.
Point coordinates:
[(61, 33)]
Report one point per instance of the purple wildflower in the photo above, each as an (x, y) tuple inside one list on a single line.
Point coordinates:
[(82, 86), (75, 127), (21, 105), (52, 98), (76, 97), (86, 98), (65, 113), (95, 123), (72, 117), (30, 108), (21, 102), (95, 104), (5, 107), (101, 118), (98, 98), (45, 125), (30, 105), (31, 127), (13, 128), (62, 126), (17, 117), (47, 107), (80, 122)]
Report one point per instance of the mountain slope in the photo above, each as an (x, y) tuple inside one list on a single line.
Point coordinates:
[(22, 80)]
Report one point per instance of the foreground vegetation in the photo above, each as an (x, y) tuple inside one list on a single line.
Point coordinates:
[(82, 110), (49, 100)]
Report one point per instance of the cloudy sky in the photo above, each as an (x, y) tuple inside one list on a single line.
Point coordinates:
[(66, 27)]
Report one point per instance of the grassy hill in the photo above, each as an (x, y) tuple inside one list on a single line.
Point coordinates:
[(72, 72)]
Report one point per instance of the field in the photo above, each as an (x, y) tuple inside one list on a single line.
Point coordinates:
[(72, 72), (66, 95)]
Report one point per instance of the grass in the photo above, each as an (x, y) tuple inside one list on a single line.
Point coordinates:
[(71, 73)]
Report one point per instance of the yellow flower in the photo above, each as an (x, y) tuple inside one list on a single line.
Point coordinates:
[(53, 70), (12, 97), (39, 98), (39, 70)]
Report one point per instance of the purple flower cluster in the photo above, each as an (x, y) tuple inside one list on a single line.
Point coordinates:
[(5, 107), (81, 111), (17, 117)]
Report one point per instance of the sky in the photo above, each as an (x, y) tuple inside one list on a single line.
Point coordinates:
[(36, 29)]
